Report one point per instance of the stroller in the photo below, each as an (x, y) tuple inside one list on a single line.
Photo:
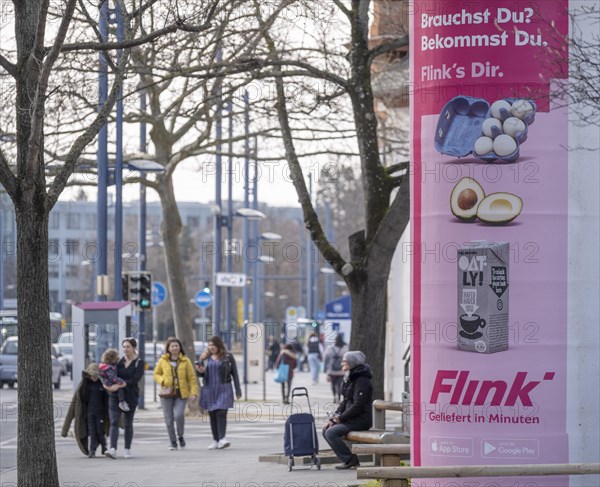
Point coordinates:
[(300, 437)]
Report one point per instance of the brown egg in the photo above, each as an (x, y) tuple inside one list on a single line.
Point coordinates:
[(467, 199)]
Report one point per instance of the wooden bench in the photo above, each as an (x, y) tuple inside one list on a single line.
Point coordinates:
[(378, 434), (388, 447)]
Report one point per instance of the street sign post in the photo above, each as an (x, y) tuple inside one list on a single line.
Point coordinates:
[(230, 279), (159, 293), (203, 299)]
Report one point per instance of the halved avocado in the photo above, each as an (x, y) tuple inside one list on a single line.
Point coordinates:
[(499, 208), (465, 199)]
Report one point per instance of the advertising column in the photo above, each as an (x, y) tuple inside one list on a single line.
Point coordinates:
[(490, 222)]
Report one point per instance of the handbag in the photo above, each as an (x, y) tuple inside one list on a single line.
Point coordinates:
[(169, 391), (282, 373)]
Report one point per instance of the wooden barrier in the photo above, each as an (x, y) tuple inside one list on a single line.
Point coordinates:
[(379, 409), (402, 473), (378, 437), (388, 447), (389, 456)]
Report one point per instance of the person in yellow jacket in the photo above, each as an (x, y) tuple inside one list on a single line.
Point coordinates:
[(176, 376)]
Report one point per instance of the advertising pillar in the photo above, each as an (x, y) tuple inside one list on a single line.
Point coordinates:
[(490, 222)]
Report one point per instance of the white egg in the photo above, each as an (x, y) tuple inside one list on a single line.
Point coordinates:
[(504, 145), (487, 125), (513, 125), (521, 109), (483, 145), (497, 105)]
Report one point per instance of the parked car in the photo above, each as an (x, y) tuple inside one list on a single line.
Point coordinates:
[(152, 356), (66, 350), (67, 337), (56, 353), (199, 348), (8, 364)]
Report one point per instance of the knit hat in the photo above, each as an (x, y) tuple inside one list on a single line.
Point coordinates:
[(92, 370), (354, 358)]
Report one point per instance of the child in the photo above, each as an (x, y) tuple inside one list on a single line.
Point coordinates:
[(108, 375), (89, 409)]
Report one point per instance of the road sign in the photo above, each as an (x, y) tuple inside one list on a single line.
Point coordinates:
[(159, 293), (203, 299), (230, 279)]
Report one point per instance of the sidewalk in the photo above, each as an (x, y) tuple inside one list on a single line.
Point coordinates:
[(255, 429)]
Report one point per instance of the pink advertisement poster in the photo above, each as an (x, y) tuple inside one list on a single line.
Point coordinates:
[(489, 196)]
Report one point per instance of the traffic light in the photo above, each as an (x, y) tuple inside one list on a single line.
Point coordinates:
[(140, 289), (206, 287), (124, 288), (145, 291)]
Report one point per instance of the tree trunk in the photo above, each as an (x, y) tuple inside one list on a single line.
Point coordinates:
[(171, 230), (368, 324), (36, 454)]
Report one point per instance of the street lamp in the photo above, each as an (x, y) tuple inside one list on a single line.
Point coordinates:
[(227, 222), (329, 293), (143, 166), (258, 278)]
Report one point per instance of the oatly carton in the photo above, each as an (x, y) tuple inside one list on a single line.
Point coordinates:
[(483, 297)]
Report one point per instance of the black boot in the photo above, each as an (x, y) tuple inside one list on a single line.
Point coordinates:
[(352, 463)]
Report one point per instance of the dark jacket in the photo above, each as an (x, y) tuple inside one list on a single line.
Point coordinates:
[(132, 376), (78, 412), (227, 372), (355, 410)]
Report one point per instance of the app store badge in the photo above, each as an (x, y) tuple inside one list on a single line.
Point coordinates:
[(451, 446)]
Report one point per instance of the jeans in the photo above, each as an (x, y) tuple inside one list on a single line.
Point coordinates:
[(113, 413), (174, 412), (314, 364), (335, 437), (218, 423)]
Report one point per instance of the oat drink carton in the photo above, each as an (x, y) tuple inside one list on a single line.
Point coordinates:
[(482, 320)]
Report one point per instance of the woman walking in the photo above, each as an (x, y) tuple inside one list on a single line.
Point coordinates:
[(174, 372), (131, 369), (287, 356), (333, 366), (217, 367)]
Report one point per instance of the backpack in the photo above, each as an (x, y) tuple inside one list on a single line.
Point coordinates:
[(336, 362)]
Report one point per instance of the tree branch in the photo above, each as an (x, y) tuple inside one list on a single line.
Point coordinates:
[(9, 181), (397, 167), (60, 181), (310, 70), (342, 8), (8, 66), (311, 219), (39, 104), (387, 47), (109, 46)]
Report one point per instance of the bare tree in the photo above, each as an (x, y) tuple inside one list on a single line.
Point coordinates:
[(182, 77), (575, 73), (30, 70), (385, 189)]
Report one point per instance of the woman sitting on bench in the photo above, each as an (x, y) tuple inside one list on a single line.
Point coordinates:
[(354, 412)]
